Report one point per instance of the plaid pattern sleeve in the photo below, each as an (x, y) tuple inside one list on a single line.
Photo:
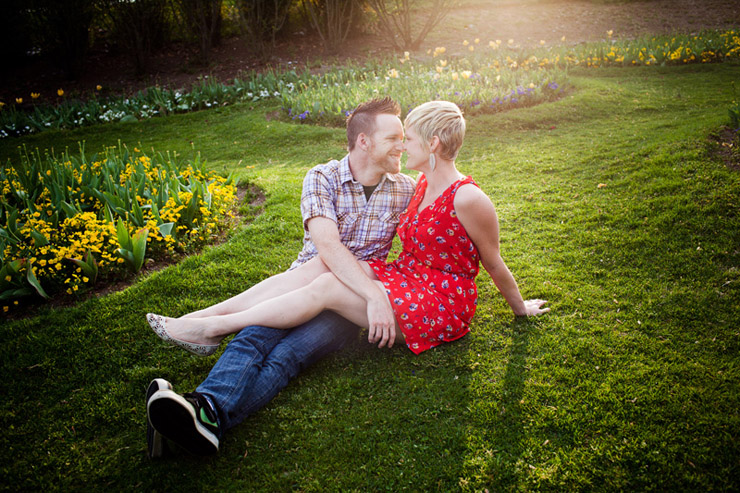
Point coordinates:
[(320, 189)]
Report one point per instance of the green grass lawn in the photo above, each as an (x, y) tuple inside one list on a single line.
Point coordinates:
[(632, 381)]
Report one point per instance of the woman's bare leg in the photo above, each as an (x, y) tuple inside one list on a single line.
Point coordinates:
[(286, 311), (271, 287)]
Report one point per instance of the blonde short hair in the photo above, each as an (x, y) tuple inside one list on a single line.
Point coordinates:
[(443, 119)]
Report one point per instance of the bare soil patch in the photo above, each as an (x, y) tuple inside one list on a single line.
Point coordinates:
[(725, 146), (525, 21)]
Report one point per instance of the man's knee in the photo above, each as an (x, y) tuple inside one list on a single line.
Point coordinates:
[(262, 338)]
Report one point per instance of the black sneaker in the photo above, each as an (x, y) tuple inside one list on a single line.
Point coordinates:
[(188, 420), (156, 444)]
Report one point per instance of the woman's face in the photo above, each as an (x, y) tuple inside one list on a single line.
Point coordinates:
[(417, 151)]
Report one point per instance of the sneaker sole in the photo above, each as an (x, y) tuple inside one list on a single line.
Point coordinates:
[(156, 446), (174, 417)]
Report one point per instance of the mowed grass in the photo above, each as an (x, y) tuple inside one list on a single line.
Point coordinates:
[(611, 206)]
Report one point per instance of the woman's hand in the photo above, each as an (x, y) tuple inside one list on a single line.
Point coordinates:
[(533, 307), (381, 321)]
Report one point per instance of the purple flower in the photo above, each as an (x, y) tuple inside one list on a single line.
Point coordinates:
[(553, 85)]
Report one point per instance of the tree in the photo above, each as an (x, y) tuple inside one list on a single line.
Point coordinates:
[(263, 19), (64, 30), (203, 17), (332, 19), (397, 20), (140, 27)]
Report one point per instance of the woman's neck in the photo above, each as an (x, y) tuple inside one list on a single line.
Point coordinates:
[(439, 180)]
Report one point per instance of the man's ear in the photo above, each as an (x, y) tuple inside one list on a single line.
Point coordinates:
[(363, 142)]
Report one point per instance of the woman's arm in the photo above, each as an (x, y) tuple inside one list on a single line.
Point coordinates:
[(478, 216)]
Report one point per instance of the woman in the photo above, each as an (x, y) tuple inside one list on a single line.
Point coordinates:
[(449, 227)]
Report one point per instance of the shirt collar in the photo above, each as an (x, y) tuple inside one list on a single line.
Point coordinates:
[(345, 174)]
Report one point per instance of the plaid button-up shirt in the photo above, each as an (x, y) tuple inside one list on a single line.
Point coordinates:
[(366, 227)]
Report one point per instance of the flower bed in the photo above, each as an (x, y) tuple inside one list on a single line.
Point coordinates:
[(490, 77), (65, 220)]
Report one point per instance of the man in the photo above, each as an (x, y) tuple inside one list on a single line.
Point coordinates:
[(350, 212)]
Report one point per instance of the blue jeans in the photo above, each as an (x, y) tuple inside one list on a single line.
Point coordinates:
[(260, 361)]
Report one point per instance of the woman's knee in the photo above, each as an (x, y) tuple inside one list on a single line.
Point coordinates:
[(314, 267), (324, 283)]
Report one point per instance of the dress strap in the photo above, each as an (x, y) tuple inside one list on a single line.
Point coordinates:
[(462, 181)]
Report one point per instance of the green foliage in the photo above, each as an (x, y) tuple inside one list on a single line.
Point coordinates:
[(88, 265), (132, 249), (151, 102)]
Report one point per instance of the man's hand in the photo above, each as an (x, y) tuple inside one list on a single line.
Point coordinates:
[(381, 321)]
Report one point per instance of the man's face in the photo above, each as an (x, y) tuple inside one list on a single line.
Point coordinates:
[(386, 143)]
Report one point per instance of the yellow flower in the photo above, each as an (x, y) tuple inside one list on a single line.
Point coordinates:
[(19, 100), (562, 39), (393, 73), (531, 85), (35, 95), (2, 104), (60, 92), (5, 309), (498, 41), (99, 87), (610, 32), (511, 41), (454, 76), (443, 63), (542, 42), (471, 48), (465, 43), (465, 74), (492, 44), (477, 40), (8, 278)]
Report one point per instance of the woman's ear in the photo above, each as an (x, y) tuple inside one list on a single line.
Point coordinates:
[(434, 144)]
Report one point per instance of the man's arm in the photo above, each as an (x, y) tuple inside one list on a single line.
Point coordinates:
[(343, 264)]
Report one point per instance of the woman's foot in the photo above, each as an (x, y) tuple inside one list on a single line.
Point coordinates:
[(183, 333), (193, 330)]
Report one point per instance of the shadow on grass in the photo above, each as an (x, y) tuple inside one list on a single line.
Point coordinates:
[(498, 434)]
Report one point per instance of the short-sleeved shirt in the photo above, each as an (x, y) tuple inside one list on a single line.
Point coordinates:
[(366, 226)]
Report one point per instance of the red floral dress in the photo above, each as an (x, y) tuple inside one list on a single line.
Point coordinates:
[(431, 285)]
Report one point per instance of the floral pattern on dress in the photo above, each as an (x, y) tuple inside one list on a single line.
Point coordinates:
[(431, 285)]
